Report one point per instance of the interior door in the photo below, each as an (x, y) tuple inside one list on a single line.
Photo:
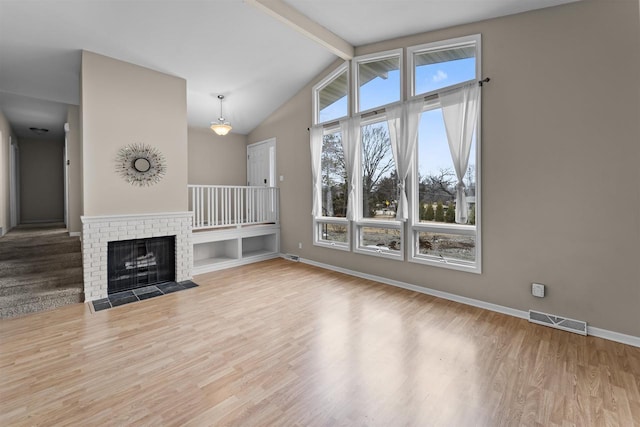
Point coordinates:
[(261, 172), (261, 164)]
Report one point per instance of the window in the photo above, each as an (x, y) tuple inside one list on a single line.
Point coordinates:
[(437, 178), (380, 240), (330, 96), (439, 238), (377, 80), (378, 138), (378, 232), (334, 176), (332, 228), (439, 65), (379, 182)]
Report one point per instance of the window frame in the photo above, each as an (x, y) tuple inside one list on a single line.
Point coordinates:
[(391, 225), (361, 221), (319, 220), (409, 231), (323, 84), (463, 229), (317, 233), (355, 62)]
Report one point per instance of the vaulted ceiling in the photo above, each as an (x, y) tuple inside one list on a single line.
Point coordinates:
[(225, 47)]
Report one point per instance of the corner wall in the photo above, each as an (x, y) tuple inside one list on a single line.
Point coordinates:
[(74, 171), (560, 157), (5, 213), (124, 104)]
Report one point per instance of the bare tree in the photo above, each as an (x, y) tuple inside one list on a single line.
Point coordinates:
[(377, 162), (334, 176), (379, 180), (440, 186)]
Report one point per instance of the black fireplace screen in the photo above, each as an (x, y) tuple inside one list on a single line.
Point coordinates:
[(137, 263)]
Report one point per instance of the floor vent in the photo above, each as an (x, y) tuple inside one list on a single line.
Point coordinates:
[(292, 257), (577, 326)]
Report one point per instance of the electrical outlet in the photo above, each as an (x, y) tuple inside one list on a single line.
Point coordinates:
[(299, 245), (537, 290), (281, 178)]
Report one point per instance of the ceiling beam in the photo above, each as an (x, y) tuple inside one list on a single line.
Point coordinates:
[(299, 22)]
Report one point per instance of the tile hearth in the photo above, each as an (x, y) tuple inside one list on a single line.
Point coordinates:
[(141, 294)]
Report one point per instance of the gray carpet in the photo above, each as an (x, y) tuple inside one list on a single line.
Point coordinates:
[(40, 269)]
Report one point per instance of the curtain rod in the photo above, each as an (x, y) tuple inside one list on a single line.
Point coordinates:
[(373, 113)]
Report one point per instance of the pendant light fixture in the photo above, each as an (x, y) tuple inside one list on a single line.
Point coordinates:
[(221, 127)]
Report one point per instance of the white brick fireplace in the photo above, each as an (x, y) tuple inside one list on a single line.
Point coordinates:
[(98, 231)]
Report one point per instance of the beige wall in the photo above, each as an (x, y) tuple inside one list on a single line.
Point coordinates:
[(560, 153), (74, 171), (123, 104), (5, 130), (217, 160), (41, 180)]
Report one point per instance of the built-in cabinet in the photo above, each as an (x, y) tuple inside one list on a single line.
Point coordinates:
[(223, 248)]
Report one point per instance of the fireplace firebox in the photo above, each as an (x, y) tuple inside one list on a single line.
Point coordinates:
[(137, 263)]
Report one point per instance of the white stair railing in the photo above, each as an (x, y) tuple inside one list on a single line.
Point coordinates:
[(215, 206)]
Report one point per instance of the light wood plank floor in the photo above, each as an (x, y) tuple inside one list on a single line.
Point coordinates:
[(281, 343)]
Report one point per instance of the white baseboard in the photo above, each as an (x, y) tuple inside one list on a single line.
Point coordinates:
[(75, 234), (613, 336), (593, 331)]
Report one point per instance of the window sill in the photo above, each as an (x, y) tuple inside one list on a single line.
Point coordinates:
[(442, 227), (448, 263), (379, 252), (333, 245)]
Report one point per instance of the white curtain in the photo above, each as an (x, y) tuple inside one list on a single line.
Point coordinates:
[(316, 155), (403, 121), (460, 109), (350, 129)]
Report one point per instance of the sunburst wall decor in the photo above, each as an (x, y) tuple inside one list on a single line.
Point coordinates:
[(140, 164)]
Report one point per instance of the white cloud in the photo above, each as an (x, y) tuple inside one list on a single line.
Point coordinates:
[(440, 76)]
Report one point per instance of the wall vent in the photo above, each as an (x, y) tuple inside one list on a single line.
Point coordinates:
[(571, 325), (291, 257)]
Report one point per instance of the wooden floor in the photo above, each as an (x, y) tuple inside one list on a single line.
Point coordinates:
[(282, 343)]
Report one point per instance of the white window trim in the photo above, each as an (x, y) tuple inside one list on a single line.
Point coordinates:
[(356, 84), (444, 44), (317, 238), (324, 83)]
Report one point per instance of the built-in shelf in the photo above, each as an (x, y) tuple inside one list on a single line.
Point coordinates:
[(218, 249)]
